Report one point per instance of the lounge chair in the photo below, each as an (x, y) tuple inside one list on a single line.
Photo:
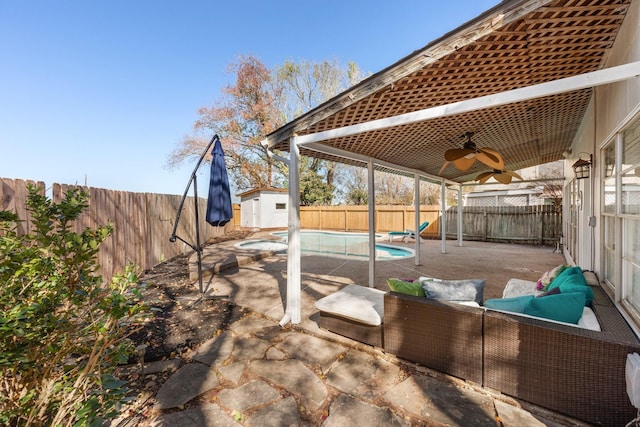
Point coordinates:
[(407, 234)]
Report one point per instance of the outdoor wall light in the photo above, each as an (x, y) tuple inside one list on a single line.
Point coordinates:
[(582, 166)]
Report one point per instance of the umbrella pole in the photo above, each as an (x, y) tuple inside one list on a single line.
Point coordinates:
[(197, 246)]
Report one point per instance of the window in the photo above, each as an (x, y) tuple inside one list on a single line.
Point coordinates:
[(609, 250), (631, 170), (609, 183), (631, 262), (620, 189), (281, 206)]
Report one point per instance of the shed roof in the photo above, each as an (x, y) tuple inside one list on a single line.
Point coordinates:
[(516, 44), (262, 190)]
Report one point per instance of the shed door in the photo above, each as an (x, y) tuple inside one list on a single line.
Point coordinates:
[(256, 213)]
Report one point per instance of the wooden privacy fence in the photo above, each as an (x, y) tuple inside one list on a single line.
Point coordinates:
[(356, 218), (142, 222), (532, 225)]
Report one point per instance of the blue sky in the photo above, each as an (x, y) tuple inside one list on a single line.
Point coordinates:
[(102, 91)]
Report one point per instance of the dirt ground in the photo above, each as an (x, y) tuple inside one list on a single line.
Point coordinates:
[(180, 321)]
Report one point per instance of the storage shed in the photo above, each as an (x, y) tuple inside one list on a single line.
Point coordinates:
[(264, 208)]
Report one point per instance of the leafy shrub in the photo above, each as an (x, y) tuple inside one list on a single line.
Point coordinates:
[(62, 330)]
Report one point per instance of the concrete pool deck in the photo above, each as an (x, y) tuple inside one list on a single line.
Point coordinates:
[(262, 374)]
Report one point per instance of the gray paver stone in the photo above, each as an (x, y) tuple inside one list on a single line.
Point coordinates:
[(250, 348), (215, 351), (250, 324), (510, 416), (275, 354), (347, 411), (282, 413), (294, 376), (438, 401), (364, 374), (233, 372), (188, 382), (311, 350), (203, 416), (272, 333), (248, 395)]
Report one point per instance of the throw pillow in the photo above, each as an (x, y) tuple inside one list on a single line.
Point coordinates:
[(566, 274), (454, 290), (561, 307), (406, 287), (553, 291), (546, 279), (515, 304), (568, 287)]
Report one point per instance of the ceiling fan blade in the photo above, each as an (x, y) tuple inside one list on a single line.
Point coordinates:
[(492, 154), (484, 177), (456, 153), (503, 178), (463, 163), (444, 166), (489, 161), (514, 174)]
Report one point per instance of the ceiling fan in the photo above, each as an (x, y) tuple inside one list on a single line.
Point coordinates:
[(463, 158), (502, 176)]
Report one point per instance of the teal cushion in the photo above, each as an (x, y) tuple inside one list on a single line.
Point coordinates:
[(561, 307), (567, 287), (566, 274), (515, 304), (405, 287)]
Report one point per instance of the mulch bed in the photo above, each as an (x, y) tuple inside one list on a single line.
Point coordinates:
[(179, 323)]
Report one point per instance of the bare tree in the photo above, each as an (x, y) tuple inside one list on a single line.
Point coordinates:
[(260, 101)]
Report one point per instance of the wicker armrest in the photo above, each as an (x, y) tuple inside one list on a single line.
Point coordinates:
[(574, 371), (443, 336)]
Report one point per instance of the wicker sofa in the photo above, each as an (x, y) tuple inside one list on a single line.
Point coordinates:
[(574, 371), (578, 372)]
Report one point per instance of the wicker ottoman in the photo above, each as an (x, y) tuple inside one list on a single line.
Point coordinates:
[(356, 312)]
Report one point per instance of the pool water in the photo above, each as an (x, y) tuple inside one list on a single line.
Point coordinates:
[(350, 245)]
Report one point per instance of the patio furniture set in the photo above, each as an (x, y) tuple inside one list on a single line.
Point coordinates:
[(576, 368)]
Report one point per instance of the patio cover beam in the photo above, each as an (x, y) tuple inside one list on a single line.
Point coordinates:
[(568, 84), (328, 149)]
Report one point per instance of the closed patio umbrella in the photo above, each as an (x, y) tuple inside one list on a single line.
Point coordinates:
[(219, 211)]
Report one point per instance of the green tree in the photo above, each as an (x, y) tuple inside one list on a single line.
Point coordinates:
[(314, 190)]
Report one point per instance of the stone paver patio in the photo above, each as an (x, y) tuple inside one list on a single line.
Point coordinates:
[(259, 374)]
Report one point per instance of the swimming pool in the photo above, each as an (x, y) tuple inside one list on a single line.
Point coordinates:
[(350, 245)]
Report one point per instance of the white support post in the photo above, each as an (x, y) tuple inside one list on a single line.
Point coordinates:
[(292, 310), (460, 215), (443, 216), (417, 222), (372, 222)]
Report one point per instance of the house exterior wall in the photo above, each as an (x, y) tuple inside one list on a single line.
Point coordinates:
[(612, 108)]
